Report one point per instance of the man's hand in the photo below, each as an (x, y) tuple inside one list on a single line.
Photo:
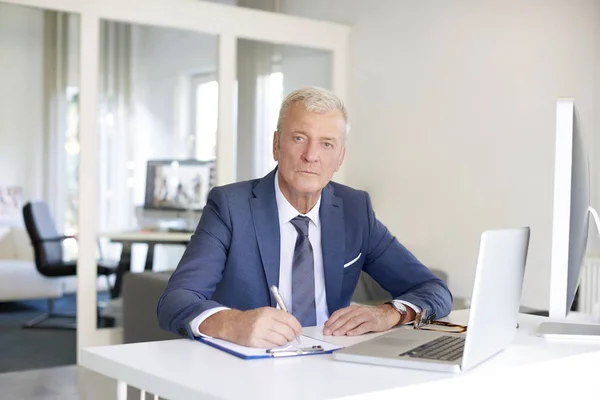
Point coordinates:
[(356, 320), (263, 327)]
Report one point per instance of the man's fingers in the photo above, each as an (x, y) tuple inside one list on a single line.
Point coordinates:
[(334, 320), (284, 329), (274, 337), (266, 340), (289, 320), (361, 329), (340, 313), (335, 325), (351, 323)]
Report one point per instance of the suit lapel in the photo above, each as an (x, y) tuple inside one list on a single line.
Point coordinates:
[(333, 242), (266, 225)]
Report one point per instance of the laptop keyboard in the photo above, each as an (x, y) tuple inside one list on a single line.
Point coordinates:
[(444, 348)]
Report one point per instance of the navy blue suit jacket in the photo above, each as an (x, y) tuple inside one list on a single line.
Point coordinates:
[(233, 256)]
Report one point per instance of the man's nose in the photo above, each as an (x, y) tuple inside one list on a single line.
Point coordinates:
[(311, 153)]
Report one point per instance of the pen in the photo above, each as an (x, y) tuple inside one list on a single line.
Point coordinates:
[(279, 300)]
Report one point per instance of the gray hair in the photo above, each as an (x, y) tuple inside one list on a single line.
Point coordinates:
[(313, 99)]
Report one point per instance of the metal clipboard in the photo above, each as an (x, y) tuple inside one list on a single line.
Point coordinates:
[(295, 352)]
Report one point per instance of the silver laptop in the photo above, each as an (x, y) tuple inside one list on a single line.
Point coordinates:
[(492, 317)]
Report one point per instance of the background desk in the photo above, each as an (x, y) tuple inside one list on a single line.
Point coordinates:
[(185, 369), (127, 239)]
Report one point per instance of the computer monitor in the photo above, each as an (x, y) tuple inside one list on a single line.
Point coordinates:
[(570, 223), (179, 185)]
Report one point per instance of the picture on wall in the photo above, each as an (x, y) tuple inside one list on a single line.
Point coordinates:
[(178, 184), (11, 203)]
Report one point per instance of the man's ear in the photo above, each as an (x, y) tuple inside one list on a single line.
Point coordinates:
[(342, 156), (275, 146)]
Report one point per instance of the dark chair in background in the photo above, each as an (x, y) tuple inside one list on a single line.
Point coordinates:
[(48, 250)]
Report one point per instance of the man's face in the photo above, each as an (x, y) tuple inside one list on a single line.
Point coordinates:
[(310, 149)]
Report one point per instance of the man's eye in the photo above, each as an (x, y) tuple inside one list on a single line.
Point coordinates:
[(297, 138), (328, 145)]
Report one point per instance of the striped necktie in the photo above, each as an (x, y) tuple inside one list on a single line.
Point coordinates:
[(303, 275)]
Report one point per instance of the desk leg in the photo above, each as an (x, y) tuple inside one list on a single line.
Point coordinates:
[(121, 390), (124, 266), (149, 257)]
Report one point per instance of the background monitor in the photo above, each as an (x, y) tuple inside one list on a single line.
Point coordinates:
[(181, 185), (570, 222)]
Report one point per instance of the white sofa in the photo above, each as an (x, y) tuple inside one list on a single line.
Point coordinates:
[(19, 278)]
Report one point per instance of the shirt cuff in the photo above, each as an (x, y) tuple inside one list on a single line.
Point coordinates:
[(417, 309), (200, 319)]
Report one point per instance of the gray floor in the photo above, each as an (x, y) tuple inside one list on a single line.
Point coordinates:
[(27, 349), (40, 384)]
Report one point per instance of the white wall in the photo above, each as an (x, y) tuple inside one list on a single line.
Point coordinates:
[(302, 67), (453, 111), (21, 111)]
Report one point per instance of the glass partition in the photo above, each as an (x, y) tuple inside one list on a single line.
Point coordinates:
[(38, 148), (157, 115), (267, 72)]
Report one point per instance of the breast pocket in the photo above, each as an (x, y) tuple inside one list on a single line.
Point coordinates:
[(352, 269), (352, 262)]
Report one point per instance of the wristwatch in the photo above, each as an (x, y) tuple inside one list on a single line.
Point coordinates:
[(400, 307)]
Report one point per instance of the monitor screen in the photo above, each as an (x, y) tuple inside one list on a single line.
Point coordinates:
[(178, 184)]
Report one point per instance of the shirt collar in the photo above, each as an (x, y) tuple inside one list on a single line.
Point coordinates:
[(287, 212)]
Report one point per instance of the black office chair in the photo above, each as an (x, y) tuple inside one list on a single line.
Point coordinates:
[(48, 251)]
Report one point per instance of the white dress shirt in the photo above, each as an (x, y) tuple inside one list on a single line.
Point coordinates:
[(286, 255), (288, 235)]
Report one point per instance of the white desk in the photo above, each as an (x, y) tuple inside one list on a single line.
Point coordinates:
[(148, 237), (185, 369)]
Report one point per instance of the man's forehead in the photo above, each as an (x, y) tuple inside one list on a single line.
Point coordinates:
[(329, 123), (300, 109)]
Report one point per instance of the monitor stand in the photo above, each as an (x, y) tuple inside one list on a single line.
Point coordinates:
[(568, 330), (572, 330)]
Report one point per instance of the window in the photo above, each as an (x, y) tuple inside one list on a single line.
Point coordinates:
[(205, 112), (71, 199), (274, 99)]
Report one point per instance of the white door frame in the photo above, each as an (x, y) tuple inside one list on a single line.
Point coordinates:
[(229, 23)]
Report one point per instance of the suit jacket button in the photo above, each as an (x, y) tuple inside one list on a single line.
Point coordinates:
[(182, 332)]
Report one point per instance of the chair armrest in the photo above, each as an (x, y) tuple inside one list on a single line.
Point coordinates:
[(55, 239)]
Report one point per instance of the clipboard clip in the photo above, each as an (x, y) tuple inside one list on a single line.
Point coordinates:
[(295, 352)]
